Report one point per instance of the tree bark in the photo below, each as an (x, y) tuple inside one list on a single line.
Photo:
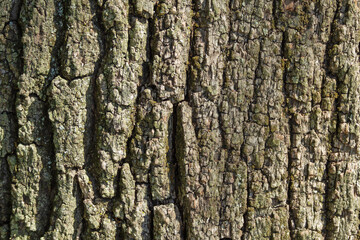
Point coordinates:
[(179, 119)]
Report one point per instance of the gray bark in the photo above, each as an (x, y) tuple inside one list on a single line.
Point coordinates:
[(179, 119)]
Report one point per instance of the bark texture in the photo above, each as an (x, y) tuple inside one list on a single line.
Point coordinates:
[(179, 119)]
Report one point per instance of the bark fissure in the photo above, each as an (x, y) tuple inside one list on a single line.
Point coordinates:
[(248, 191), (290, 126), (60, 25), (328, 184), (176, 172), (13, 42)]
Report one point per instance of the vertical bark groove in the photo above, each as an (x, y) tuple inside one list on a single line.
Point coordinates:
[(328, 185), (10, 68), (290, 124)]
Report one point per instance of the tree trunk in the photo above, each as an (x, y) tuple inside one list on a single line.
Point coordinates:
[(179, 119)]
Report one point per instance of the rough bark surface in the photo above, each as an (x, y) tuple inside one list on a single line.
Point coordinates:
[(179, 119)]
